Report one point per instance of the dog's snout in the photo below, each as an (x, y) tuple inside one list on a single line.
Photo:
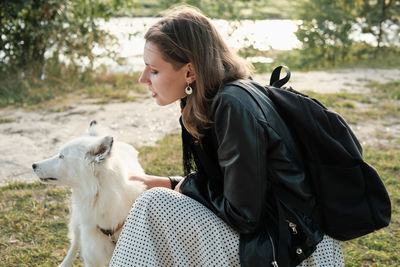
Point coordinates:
[(34, 166)]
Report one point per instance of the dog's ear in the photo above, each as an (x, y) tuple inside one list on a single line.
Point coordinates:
[(101, 150)]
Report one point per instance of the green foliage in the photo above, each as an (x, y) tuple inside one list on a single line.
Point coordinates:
[(46, 49), (32, 31), (357, 55), (46, 46), (326, 27), (229, 9), (374, 14)]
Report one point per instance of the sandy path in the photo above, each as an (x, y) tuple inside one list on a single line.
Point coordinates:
[(352, 80), (35, 135)]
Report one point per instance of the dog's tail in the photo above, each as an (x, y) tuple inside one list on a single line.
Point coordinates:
[(95, 129)]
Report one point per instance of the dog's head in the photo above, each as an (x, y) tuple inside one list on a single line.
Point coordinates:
[(78, 160)]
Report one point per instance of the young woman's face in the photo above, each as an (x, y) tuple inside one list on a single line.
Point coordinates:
[(166, 84)]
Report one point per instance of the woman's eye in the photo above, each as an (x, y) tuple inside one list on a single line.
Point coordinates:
[(61, 156), (153, 71)]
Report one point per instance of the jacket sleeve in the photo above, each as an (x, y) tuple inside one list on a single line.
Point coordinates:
[(242, 159)]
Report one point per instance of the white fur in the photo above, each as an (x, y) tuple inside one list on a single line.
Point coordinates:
[(97, 170)]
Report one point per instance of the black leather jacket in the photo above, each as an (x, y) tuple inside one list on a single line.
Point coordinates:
[(237, 161)]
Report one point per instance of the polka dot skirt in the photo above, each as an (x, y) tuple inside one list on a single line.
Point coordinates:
[(328, 254), (166, 228)]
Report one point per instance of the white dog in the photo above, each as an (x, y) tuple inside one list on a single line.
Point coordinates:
[(97, 170)]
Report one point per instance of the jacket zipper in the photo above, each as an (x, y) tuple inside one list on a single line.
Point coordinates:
[(274, 263)]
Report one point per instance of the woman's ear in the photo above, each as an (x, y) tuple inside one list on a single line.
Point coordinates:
[(191, 74)]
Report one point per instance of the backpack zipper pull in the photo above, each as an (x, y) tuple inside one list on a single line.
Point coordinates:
[(293, 227)]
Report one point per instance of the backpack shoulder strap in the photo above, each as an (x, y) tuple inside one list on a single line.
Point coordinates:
[(261, 96), (275, 81), (254, 95)]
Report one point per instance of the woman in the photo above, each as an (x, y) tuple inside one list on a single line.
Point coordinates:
[(223, 212)]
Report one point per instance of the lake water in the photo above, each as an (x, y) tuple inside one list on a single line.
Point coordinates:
[(262, 34)]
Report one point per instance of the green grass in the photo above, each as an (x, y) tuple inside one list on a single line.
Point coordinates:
[(5, 120), (165, 158), (33, 217), (390, 90), (32, 92), (380, 104), (381, 248), (33, 223)]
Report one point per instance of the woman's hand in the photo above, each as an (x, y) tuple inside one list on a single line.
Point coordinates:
[(152, 181)]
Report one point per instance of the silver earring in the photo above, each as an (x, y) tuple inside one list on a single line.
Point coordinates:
[(188, 89)]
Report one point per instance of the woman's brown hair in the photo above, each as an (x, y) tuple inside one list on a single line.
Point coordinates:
[(184, 36)]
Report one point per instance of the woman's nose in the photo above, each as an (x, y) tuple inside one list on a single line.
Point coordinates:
[(143, 78)]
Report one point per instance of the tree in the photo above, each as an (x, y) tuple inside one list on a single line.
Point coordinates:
[(326, 26), (377, 16), (33, 32)]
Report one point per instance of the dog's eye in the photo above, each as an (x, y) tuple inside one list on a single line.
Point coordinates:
[(61, 156)]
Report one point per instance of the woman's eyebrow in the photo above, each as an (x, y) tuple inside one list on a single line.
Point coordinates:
[(150, 65)]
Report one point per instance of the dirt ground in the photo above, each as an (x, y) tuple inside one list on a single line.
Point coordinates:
[(31, 136)]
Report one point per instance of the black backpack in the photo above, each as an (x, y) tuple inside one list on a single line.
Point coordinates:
[(351, 199)]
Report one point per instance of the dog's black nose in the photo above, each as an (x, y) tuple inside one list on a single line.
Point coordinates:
[(34, 166)]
